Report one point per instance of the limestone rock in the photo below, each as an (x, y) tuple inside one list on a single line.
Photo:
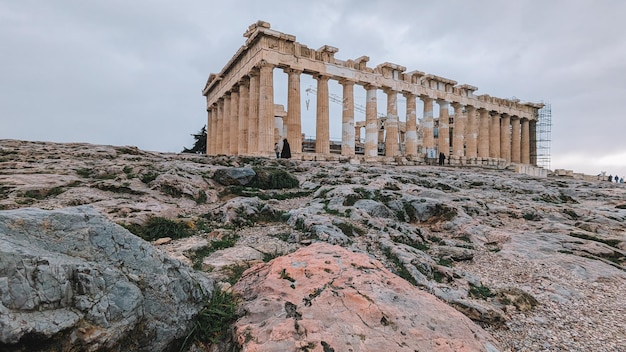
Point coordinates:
[(239, 176), (71, 279), (325, 298)]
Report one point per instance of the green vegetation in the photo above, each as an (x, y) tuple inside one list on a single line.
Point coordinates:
[(481, 292), (273, 178), (215, 245), (532, 216), (148, 176), (42, 193), (158, 227), (348, 229), (399, 267), (116, 188), (213, 322)]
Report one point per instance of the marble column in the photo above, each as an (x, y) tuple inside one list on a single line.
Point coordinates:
[(515, 139), (471, 133), (525, 152), (410, 148), (428, 125), (234, 121), (244, 101), (371, 122), (322, 124), (213, 133), (347, 119), (532, 149), (505, 137), (253, 113), (294, 119), (459, 131), (494, 135), (226, 129), (391, 125), (444, 127), (483, 133), (266, 109), (219, 141), (209, 129)]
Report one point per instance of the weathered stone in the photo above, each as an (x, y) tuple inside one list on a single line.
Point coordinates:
[(287, 303), (239, 176), (71, 278)]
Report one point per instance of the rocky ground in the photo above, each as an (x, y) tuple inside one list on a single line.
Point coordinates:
[(538, 263)]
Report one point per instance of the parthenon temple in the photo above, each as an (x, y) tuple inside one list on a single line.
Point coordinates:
[(244, 120)]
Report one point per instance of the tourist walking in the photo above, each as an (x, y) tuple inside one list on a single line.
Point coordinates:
[(278, 148), (442, 158)]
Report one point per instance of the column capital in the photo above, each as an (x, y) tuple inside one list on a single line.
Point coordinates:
[(456, 105), (389, 90), (292, 71), (346, 81), (321, 76), (426, 98), (254, 72), (494, 113), (505, 115), (409, 95), (264, 64), (515, 117), (482, 110), (244, 81), (370, 86), (470, 108)]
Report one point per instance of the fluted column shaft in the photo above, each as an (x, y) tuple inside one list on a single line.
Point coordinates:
[(266, 109), (347, 119), (459, 131), (253, 113), (209, 129), (471, 132), (532, 127), (391, 125), (428, 124), (505, 137), (213, 133), (322, 135), (444, 127), (244, 101), (294, 119), (410, 148), (226, 129), (515, 139), (483, 133), (525, 152), (219, 141), (234, 121), (494, 136), (371, 122)]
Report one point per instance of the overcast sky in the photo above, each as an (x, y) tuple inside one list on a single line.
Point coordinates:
[(131, 72)]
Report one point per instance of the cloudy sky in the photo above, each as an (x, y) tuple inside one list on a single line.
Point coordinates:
[(131, 72)]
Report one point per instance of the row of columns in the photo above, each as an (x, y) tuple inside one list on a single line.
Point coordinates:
[(242, 122)]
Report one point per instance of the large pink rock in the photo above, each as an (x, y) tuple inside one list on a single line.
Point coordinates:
[(326, 298)]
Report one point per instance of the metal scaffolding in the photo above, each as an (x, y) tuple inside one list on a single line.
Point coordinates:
[(543, 139)]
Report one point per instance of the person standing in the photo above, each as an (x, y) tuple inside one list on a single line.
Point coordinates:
[(286, 152), (442, 158), (278, 148)]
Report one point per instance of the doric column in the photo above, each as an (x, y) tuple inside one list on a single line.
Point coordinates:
[(212, 136), (219, 141), (428, 124), (371, 122), (410, 148), (391, 125), (244, 101), (459, 131), (294, 119), (347, 119), (525, 152), (483, 133), (322, 135), (209, 129), (266, 109), (234, 121), (226, 129), (515, 139), (532, 127), (253, 113), (505, 137), (470, 132), (444, 127), (494, 135)]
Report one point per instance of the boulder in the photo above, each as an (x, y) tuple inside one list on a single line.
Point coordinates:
[(234, 176), (72, 280), (326, 298)]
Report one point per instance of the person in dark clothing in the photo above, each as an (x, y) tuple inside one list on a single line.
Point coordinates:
[(286, 152), (616, 178), (442, 158)]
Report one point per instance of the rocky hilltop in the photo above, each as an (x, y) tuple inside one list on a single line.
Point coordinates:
[(322, 256)]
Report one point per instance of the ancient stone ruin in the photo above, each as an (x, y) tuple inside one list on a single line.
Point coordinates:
[(243, 119)]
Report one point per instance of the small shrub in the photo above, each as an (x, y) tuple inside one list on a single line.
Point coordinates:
[(201, 198), (213, 323), (481, 292), (149, 177), (273, 178), (158, 227), (532, 216)]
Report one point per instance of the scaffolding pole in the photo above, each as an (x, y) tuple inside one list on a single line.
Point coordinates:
[(543, 138)]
